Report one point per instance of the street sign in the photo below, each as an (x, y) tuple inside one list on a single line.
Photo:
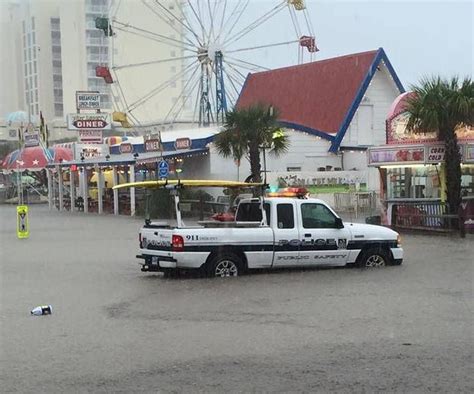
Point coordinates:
[(87, 100), (91, 121), (90, 136), (22, 225), (163, 169)]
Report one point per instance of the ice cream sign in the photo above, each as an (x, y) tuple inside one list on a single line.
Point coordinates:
[(97, 121)]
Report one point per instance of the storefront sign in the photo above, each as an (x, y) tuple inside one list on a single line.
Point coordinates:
[(87, 100), (88, 121), (126, 148), (31, 138), (152, 145), (91, 152), (435, 154), (469, 154), (90, 136), (403, 155), (182, 143)]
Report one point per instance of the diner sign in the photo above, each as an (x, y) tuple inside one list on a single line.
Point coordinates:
[(152, 145), (182, 143), (89, 121)]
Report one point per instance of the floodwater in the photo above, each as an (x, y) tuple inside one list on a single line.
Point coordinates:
[(116, 329)]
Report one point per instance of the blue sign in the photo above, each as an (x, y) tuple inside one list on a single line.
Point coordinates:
[(163, 169)]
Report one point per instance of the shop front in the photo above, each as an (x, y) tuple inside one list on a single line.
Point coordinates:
[(413, 175)]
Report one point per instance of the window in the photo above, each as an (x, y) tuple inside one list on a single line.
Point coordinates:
[(36, 95), (32, 23), (37, 109), (293, 169), (250, 212), (317, 216), (58, 109), (285, 216)]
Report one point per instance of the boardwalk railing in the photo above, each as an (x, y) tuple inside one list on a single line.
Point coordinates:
[(431, 216)]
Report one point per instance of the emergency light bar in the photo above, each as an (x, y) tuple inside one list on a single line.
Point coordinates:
[(298, 192)]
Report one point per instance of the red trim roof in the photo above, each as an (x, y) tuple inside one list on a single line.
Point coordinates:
[(314, 95)]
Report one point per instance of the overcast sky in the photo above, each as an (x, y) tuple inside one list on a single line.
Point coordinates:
[(420, 37)]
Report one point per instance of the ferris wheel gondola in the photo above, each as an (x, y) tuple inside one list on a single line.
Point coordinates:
[(211, 54)]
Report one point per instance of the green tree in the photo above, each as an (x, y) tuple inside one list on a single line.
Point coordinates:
[(247, 131), (441, 106)]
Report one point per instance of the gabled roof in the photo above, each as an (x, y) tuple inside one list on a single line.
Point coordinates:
[(319, 97)]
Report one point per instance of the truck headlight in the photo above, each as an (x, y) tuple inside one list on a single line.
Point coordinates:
[(399, 240)]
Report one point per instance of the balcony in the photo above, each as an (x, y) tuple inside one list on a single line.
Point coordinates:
[(97, 9)]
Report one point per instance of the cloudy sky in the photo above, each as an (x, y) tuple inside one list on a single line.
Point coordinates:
[(420, 37)]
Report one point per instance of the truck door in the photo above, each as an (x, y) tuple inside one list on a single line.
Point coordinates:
[(287, 238), (322, 242)]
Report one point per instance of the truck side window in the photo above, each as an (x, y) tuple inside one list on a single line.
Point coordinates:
[(285, 216), (317, 216), (250, 212)]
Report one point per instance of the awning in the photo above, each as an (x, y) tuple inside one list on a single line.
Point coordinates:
[(129, 159), (154, 157)]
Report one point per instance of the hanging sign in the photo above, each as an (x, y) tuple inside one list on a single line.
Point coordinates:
[(31, 138), (152, 145), (90, 121), (182, 143), (435, 154), (87, 100), (22, 225), (90, 136)]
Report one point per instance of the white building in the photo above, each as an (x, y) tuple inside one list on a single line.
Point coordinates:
[(332, 109), (51, 48)]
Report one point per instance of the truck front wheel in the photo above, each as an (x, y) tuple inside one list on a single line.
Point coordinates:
[(223, 266), (373, 258)]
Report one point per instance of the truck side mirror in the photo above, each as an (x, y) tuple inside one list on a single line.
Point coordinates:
[(339, 223)]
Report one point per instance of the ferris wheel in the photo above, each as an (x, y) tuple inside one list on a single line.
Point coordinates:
[(185, 62)]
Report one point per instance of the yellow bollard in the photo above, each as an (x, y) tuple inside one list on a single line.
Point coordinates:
[(22, 225)]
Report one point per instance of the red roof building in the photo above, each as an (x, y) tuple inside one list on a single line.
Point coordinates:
[(322, 97)]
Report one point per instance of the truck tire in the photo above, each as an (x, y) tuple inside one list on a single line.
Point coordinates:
[(224, 265), (374, 257)]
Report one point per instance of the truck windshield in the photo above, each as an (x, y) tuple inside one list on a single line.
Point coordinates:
[(250, 212)]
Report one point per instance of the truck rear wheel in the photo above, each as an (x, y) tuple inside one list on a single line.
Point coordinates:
[(222, 266)]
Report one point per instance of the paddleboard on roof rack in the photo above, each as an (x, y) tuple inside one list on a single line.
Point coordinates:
[(172, 183)]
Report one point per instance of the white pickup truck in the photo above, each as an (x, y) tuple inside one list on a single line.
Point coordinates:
[(268, 233)]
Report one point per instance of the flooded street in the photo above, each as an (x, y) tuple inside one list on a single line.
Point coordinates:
[(116, 329)]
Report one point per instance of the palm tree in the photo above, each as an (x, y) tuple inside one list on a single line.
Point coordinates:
[(441, 106), (247, 131)]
